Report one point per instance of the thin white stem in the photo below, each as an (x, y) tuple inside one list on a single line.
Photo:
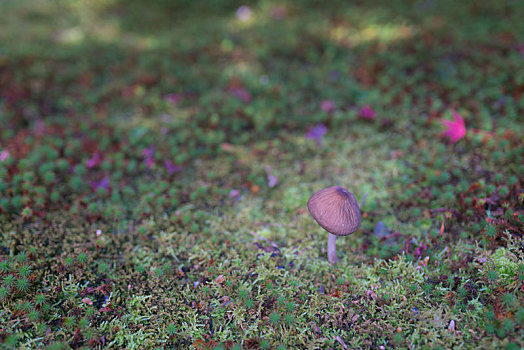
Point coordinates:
[(332, 249)]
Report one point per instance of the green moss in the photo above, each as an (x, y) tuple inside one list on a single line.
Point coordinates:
[(190, 111), (505, 264)]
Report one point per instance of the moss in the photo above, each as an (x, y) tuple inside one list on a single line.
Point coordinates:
[(505, 264), (137, 208)]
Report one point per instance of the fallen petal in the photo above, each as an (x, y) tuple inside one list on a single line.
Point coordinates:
[(366, 112), (93, 161), (327, 106), (171, 167), (4, 155), (381, 230), (456, 129), (173, 98), (241, 93), (317, 133)]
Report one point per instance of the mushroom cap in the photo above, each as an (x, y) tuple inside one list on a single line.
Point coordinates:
[(336, 210)]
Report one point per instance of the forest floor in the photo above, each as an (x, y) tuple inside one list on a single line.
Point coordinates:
[(156, 159)]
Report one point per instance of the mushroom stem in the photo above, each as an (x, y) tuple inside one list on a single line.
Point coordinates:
[(332, 249)]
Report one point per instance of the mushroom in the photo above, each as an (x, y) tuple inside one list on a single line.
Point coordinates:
[(336, 210)]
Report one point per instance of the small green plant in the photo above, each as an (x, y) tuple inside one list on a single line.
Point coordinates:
[(34, 316), (24, 271), (23, 285), (21, 257), (243, 294), (9, 280), (4, 266), (274, 318), (69, 261), (171, 329), (4, 293), (249, 302), (508, 300), (82, 258), (289, 319)]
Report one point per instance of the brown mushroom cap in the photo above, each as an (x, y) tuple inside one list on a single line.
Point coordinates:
[(336, 210)]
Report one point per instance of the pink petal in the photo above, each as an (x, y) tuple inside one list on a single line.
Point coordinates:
[(521, 50), (148, 152), (366, 112), (278, 12), (173, 98), (456, 129), (87, 301), (93, 161), (149, 163), (327, 106), (4, 155), (241, 93)]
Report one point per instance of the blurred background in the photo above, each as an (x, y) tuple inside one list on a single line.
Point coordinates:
[(276, 60)]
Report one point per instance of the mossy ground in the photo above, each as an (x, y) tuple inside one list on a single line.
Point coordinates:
[(136, 141)]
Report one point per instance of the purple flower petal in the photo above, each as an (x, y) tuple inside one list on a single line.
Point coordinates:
[(317, 133), (381, 230), (93, 161), (149, 152), (243, 13), (418, 251), (171, 167), (272, 180), (149, 163), (234, 193), (102, 183)]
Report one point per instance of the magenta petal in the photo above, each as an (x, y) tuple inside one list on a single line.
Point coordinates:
[(173, 98), (456, 129), (367, 112), (93, 161)]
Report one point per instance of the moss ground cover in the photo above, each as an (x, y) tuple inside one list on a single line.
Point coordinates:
[(156, 159)]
